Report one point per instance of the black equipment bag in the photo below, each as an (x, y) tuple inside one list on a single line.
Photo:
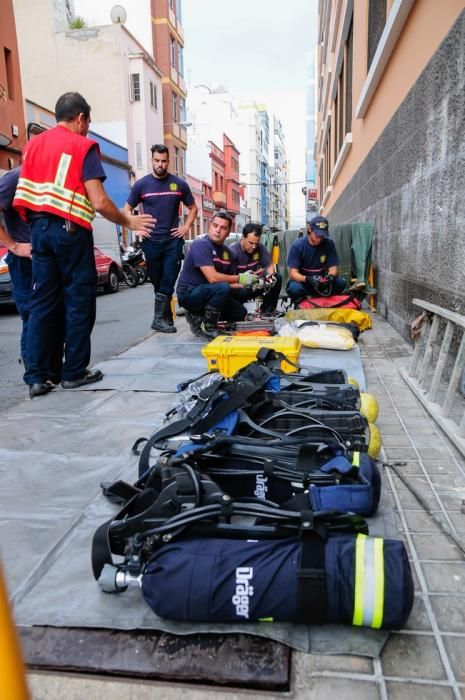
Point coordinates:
[(347, 579)]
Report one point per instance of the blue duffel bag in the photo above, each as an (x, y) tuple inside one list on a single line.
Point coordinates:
[(348, 579)]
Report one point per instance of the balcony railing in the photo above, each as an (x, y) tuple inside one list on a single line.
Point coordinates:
[(219, 198)]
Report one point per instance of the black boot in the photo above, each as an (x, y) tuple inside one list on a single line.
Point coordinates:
[(159, 322), (209, 325), (169, 315), (194, 321)]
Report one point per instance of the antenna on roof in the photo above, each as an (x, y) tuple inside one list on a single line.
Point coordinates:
[(118, 14)]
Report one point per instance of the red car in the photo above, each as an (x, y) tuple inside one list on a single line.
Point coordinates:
[(108, 274), (108, 271)]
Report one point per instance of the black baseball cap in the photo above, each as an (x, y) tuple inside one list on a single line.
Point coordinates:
[(320, 225)]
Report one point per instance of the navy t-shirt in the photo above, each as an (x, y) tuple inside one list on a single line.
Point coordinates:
[(245, 262), (16, 227), (204, 253), (92, 168), (312, 260), (161, 198)]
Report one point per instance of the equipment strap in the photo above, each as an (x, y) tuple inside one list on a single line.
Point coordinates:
[(312, 579)]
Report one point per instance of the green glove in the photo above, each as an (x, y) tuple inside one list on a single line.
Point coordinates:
[(248, 279)]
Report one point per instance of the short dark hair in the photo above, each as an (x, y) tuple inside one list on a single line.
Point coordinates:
[(223, 215), (160, 148), (71, 105), (252, 228)]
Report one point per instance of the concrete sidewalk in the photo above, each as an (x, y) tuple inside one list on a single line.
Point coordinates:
[(426, 660)]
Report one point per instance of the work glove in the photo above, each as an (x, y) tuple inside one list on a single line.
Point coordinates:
[(248, 279), (311, 282), (259, 285)]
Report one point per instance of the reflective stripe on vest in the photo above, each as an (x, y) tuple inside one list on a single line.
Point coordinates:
[(369, 582), (356, 459), (54, 194)]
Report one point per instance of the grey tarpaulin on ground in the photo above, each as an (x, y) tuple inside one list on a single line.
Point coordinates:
[(51, 502)]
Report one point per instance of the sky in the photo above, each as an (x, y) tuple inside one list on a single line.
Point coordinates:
[(257, 49)]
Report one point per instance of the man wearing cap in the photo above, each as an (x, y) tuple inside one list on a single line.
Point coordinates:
[(312, 264)]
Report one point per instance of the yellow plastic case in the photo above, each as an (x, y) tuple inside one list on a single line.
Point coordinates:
[(226, 354)]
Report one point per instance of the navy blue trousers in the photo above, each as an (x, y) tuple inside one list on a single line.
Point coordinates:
[(163, 259), (64, 282), (218, 295), (21, 281)]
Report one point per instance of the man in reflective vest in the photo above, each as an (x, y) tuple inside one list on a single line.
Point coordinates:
[(59, 189)]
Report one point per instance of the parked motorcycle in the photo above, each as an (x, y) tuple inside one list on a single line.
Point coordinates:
[(133, 266)]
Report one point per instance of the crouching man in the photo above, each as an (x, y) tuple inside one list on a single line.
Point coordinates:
[(313, 264), (207, 281), (251, 256)]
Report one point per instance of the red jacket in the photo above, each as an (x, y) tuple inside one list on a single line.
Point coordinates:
[(51, 176)]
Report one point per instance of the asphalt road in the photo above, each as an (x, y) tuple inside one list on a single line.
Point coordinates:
[(123, 319)]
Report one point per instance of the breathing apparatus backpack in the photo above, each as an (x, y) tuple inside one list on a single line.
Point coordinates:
[(315, 476), (203, 565)]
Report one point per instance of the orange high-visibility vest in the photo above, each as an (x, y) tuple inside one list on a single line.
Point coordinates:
[(50, 179)]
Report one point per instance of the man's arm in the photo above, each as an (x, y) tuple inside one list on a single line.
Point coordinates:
[(127, 209), (212, 275), (182, 231), (108, 209), (23, 250), (296, 276)]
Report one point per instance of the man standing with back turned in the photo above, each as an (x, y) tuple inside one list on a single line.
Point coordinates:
[(160, 193), (59, 189)]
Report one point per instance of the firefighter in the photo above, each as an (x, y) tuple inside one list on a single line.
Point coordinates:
[(60, 187), (313, 264)]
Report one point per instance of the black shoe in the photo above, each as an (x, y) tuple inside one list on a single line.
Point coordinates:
[(39, 389), (88, 378)]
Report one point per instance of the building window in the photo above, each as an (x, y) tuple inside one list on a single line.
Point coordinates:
[(376, 24), (180, 59), (343, 98), (182, 109), (10, 83), (349, 61), (139, 164), (153, 95), (183, 162), (176, 160), (134, 87), (175, 107), (172, 50)]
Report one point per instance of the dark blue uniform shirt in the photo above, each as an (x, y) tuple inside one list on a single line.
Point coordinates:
[(245, 262), (312, 260), (161, 198), (204, 253), (16, 227)]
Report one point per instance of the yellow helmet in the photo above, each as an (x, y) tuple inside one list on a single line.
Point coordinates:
[(369, 406), (374, 446)]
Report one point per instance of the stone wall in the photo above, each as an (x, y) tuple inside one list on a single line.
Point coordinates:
[(411, 186)]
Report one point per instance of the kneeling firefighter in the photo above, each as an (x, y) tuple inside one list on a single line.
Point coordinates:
[(207, 282)]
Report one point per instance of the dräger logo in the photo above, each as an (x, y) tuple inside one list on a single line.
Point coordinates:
[(261, 486), (244, 590)]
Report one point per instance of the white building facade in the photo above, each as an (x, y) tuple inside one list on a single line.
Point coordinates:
[(106, 64)]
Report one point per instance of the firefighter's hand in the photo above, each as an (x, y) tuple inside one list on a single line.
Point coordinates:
[(142, 224), (22, 250), (259, 285), (247, 279), (311, 282)]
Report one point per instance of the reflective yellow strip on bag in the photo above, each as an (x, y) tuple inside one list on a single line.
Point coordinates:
[(369, 582), (356, 459)]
